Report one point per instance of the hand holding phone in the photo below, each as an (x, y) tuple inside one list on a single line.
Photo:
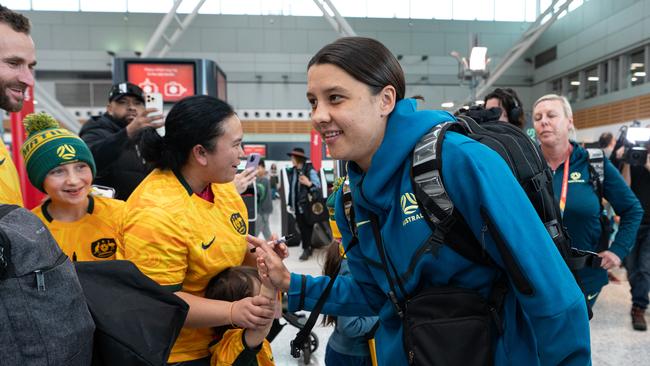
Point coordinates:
[(252, 161), (155, 101), (102, 191)]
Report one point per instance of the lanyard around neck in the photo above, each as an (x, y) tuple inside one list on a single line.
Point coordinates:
[(565, 183)]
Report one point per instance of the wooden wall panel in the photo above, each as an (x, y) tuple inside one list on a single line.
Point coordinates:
[(276, 127), (615, 112)]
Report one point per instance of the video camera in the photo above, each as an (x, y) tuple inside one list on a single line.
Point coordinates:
[(636, 141)]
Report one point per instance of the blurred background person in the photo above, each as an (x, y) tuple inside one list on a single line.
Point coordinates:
[(274, 179), (264, 203), (507, 100), (111, 138), (579, 203), (302, 179), (638, 262), (607, 142)]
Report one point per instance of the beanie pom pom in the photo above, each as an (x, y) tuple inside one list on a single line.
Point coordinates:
[(37, 122)]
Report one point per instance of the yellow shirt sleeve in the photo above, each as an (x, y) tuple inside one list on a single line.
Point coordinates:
[(226, 351)]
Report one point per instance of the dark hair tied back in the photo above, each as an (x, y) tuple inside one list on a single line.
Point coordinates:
[(195, 120), (366, 60)]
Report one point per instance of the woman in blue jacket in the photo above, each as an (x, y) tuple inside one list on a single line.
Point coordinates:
[(572, 183), (356, 89)]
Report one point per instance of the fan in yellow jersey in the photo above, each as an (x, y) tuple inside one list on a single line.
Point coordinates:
[(17, 61), (186, 223), (236, 346), (60, 164), (9, 184)]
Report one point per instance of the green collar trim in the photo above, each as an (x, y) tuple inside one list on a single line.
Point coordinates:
[(48, 217)]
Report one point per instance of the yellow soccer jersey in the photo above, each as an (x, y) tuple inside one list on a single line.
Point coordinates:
[(226, 351), (181, 241), (9, 183), (95, 236)]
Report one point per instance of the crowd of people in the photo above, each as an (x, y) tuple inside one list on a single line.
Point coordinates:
[(178, 215)]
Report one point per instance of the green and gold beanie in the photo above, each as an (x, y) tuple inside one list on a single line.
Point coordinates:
[(48, 146)]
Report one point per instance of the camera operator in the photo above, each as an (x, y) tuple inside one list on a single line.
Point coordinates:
[(638, 261), (614, 149)]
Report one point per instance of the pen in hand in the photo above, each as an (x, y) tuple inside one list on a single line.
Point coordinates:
[(273, 243)]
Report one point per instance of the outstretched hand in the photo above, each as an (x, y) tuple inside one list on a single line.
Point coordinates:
[(269, 262)]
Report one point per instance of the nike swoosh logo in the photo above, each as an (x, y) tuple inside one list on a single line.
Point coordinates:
[(362, 222), (206, 246), (2, 161), (592, 296)]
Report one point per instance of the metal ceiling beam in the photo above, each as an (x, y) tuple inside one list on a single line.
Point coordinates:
[(338, 22), (159, 33), (525, 42)]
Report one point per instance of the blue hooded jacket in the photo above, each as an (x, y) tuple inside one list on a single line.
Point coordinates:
[(547, 327)]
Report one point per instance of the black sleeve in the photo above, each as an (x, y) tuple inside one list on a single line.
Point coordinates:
[(104, 145), (247, 357)]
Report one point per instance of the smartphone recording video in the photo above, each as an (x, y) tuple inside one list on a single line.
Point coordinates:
[(252, 161), (155, 100)]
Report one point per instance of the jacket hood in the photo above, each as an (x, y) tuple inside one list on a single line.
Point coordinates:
[(405, 126)]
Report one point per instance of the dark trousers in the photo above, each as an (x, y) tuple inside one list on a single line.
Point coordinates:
[(637, 264), (305, 231), (201, 362)]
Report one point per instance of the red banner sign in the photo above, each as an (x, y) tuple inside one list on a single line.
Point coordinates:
[(316, 149), (32, 197), (173, 81), (255, 148)]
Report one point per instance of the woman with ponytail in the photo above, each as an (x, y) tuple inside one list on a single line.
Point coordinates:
[(186, 221)]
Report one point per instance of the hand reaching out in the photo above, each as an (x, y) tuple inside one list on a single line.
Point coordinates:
[(269, 262)]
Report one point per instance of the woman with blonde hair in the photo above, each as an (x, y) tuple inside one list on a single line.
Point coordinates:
[(579, 187)]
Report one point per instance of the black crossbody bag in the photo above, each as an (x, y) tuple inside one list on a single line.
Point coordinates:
[(445, 325)]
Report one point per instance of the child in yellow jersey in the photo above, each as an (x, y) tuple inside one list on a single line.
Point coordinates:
[(186, 222), (60, 164), (237, 346)]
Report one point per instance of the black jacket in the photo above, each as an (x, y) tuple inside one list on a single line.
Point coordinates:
[(298, 199), (119, 164)]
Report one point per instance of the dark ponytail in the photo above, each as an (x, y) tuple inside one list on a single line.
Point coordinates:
[(195, 120)]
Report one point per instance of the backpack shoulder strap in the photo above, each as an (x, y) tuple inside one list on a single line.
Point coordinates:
[(596, 167), (447, 225), (426, 173), (6, 209)]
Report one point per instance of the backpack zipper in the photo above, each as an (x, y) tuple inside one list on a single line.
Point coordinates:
[(40, 273)]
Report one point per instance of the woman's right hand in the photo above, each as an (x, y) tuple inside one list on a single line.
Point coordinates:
[(269, 263), (253, 312)]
